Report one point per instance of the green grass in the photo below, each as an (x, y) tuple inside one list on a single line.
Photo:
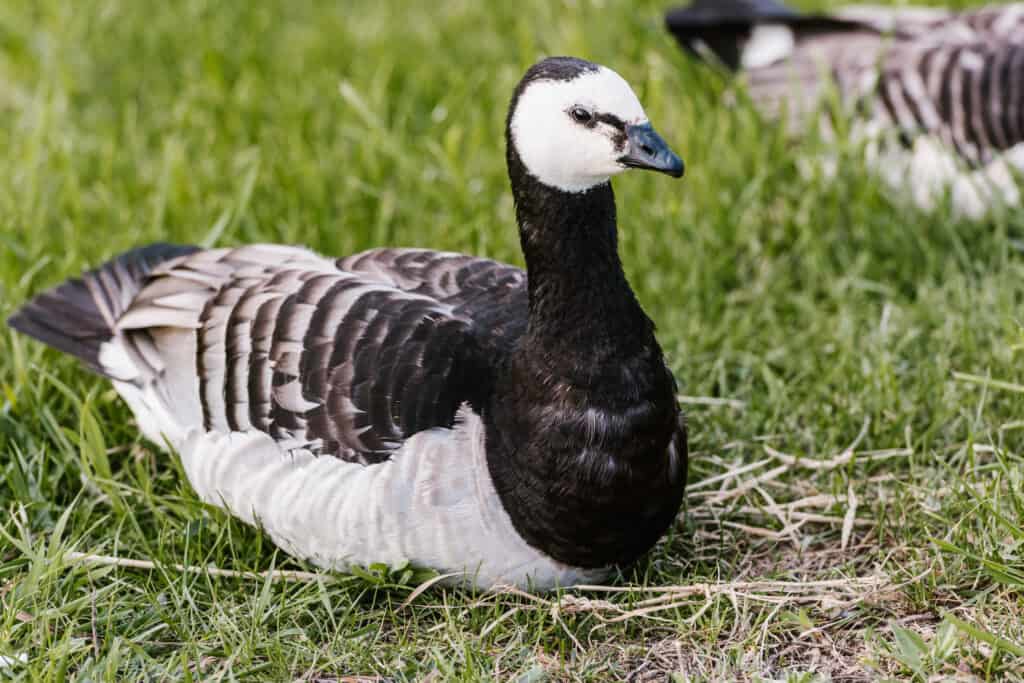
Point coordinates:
[(834, 314)]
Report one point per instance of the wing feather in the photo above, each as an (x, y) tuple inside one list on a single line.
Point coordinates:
[(491, 293), (346, 358)]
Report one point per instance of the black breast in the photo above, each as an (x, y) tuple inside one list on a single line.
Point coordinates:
[(592, 478)]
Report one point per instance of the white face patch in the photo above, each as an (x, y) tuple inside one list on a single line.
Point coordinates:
[(559, 151), (768, 44)]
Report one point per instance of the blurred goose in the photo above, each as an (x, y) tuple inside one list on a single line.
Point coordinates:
[(412, 405), (938, 95)]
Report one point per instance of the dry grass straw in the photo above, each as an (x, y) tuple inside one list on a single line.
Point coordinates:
[(148, 565)]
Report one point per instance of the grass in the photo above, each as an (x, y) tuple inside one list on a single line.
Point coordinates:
[(857, 483)]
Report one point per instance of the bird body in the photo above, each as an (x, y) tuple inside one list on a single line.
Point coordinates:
[(937, 95), (410, 405)]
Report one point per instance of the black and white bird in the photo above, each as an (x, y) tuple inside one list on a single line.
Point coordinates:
[(412, 405), (937, 95)]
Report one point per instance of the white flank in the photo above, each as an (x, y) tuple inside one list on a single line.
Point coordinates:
[(116, 361), (931, 173), (432, 504), (152, 417), (560, 152)]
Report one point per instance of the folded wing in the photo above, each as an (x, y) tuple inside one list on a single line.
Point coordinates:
[(343, 358)]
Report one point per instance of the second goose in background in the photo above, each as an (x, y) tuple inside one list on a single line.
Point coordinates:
[(939, 95)]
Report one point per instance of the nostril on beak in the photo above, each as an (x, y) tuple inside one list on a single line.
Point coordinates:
[(647, 150)]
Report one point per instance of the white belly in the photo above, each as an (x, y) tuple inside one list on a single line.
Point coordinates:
[(930, 172), (432, 505)]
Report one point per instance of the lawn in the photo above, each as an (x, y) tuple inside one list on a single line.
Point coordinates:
[(853, 370)]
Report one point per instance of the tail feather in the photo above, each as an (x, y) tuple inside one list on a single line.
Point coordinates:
[(80, 315)]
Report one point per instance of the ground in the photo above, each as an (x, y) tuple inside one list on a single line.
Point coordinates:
[(852, 369)]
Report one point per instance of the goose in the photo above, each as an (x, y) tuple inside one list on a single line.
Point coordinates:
[(938, 96), (405, 405)]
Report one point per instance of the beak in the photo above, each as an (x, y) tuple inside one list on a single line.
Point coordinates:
[(645, 149)]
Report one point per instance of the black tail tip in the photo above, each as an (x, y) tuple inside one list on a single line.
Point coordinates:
[(79, 315), (17, 321)]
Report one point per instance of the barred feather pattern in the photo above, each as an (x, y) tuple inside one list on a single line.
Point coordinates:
[(991, 22), (346, 358), (492, 294), (78, 316), (959, 78), (969, 96), (796, 87)]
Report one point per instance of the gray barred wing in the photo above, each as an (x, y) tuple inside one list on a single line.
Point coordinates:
[(286, 342), (970, 95), (989, 23), (490, 293), (959, 77)]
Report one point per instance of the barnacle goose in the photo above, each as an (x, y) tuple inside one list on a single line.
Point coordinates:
[(937, 95), (413, 405)]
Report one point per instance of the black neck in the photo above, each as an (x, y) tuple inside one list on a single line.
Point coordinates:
[(583, 410), (582, 309)]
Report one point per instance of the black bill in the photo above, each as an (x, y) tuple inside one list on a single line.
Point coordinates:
[(645, 149)]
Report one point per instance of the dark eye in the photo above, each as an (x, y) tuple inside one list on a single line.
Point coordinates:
[(581, 115)]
